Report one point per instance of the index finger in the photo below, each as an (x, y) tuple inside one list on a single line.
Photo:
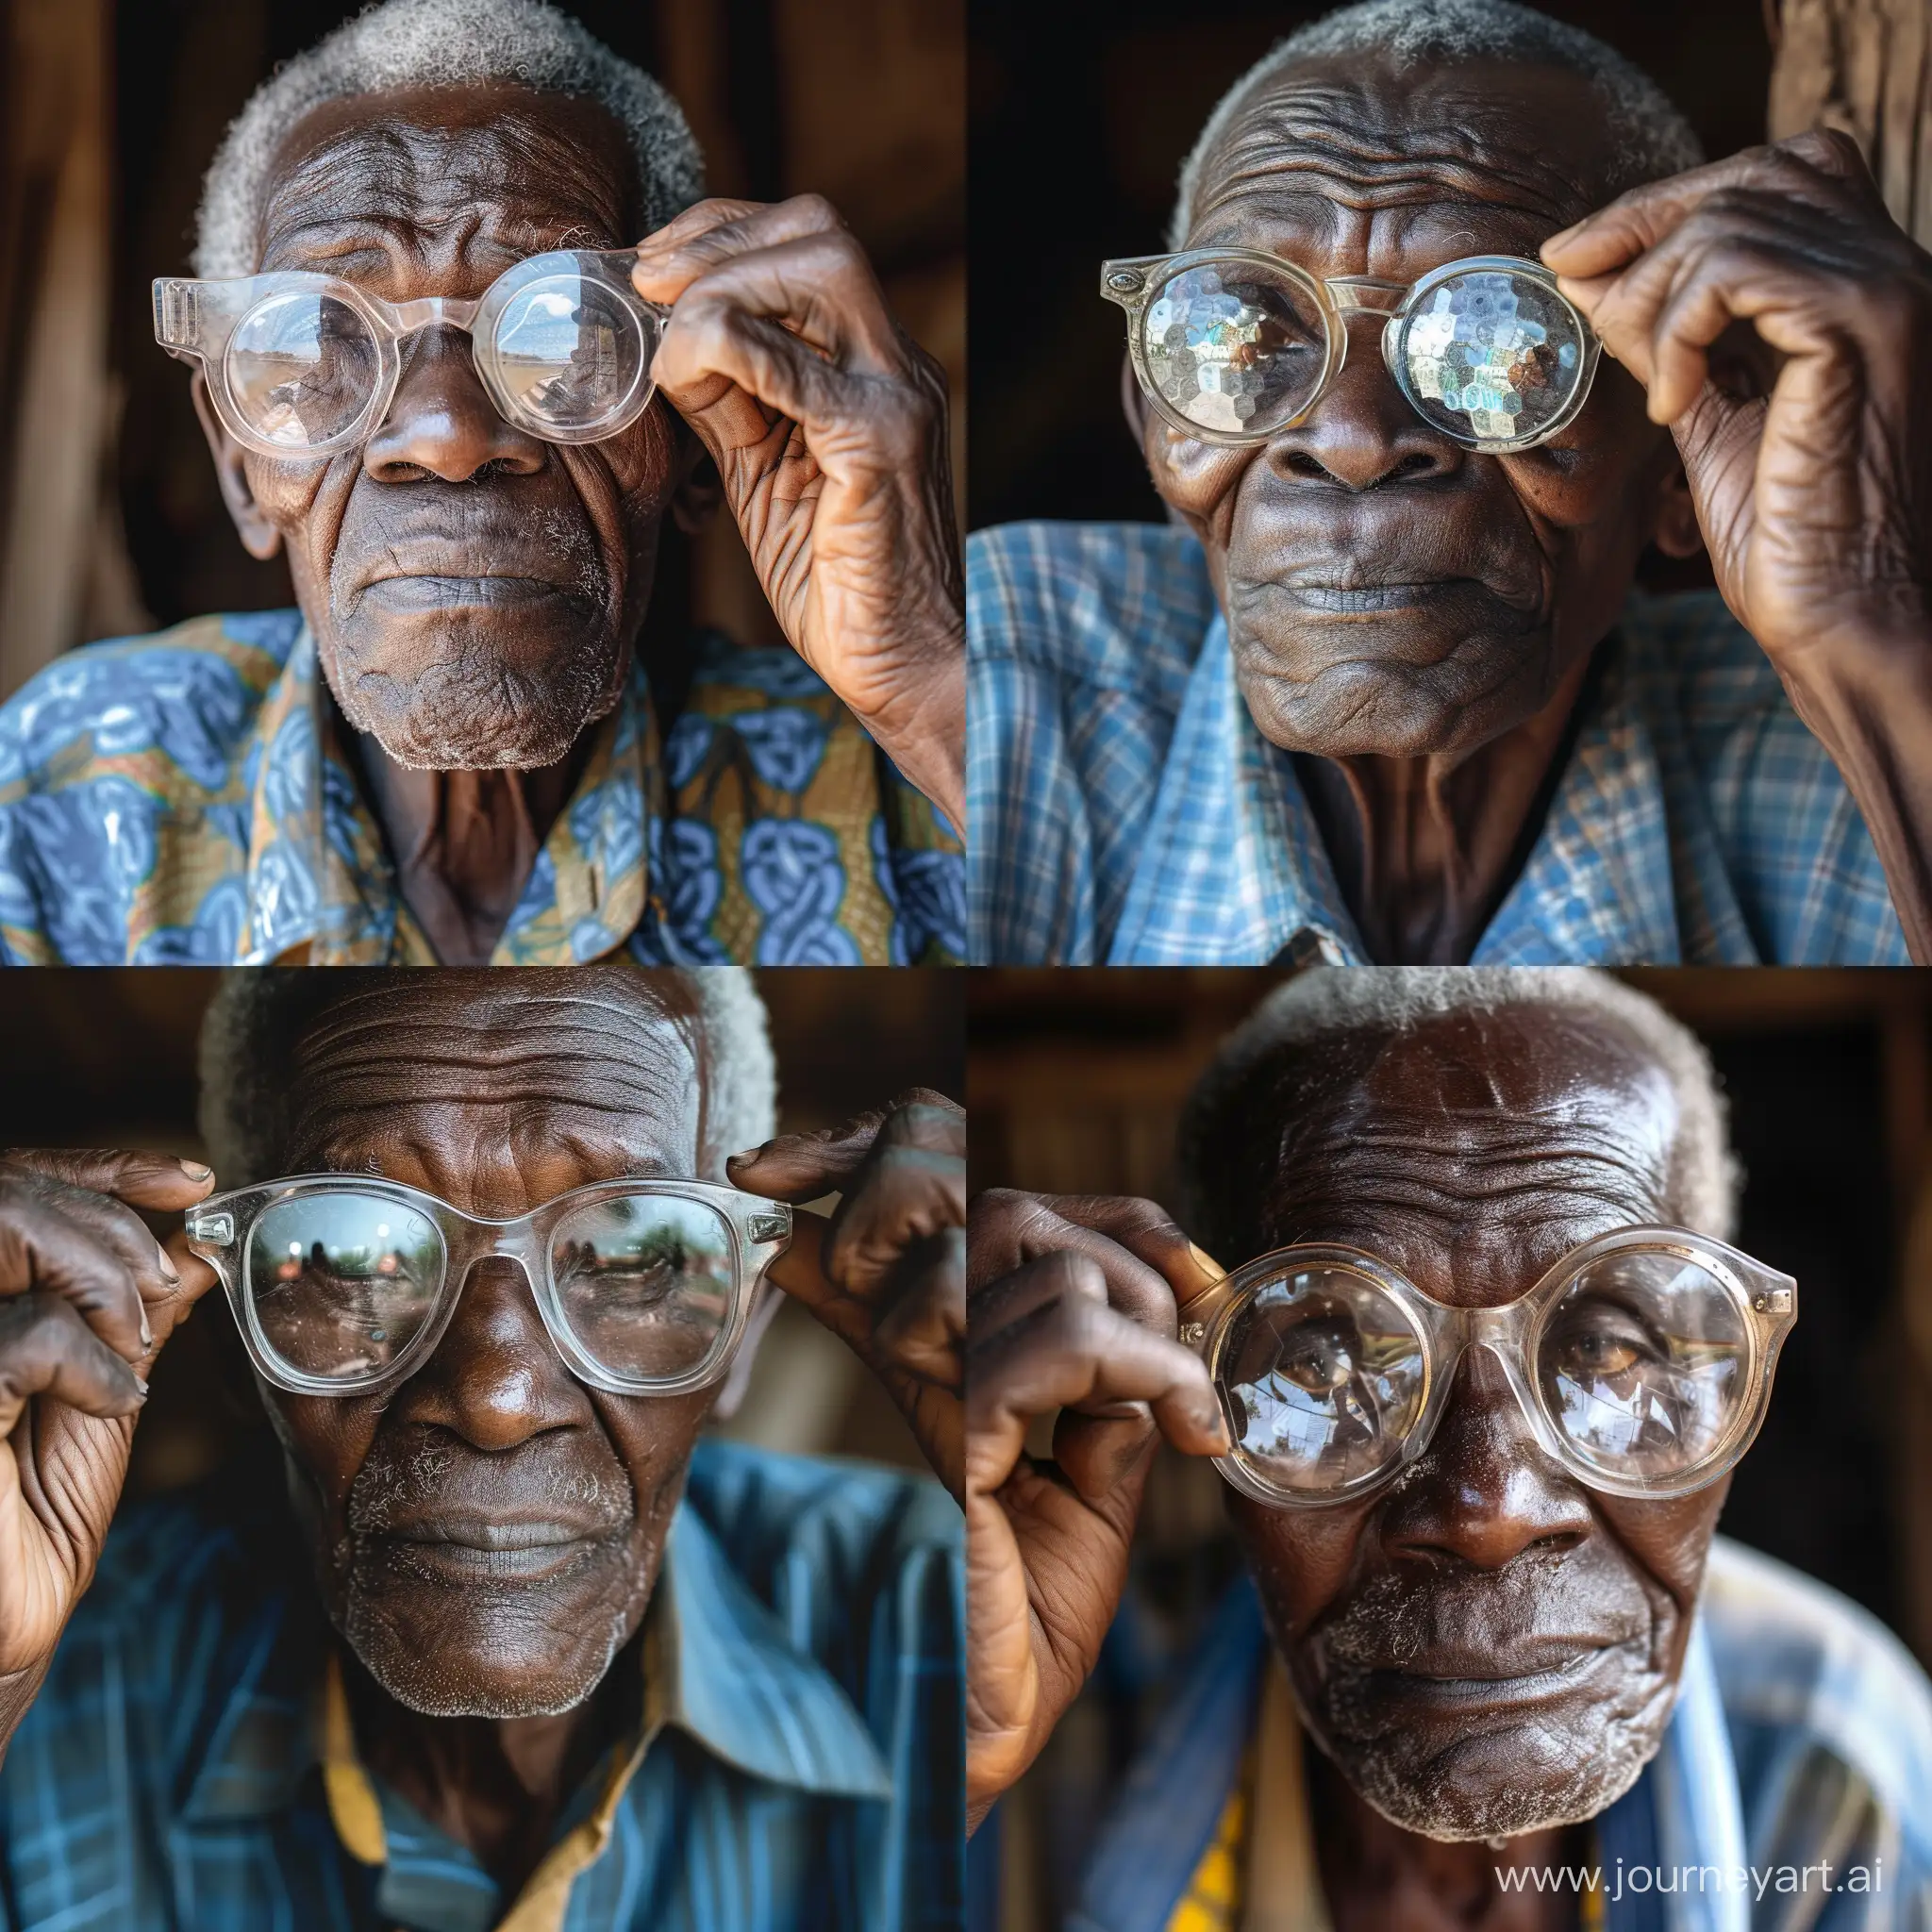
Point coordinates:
[(1643, 216), (715, 231), (801, 1167), (164, 1183)]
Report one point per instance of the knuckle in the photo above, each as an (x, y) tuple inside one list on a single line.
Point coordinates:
[(816, 211)]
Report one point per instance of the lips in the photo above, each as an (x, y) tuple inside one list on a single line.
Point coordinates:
[(441, 593), (460, 1551)]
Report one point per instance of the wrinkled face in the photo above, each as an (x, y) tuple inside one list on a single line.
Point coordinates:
[(1386, 591), (475, 592), (1484, 1646), (488, 1534)]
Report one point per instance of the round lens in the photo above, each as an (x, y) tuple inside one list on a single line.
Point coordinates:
[(569, 352), (301, 369), (1492, 356), (1643, 1364), (646, 1284), (1233, 348), (342, 1284), (1322, 1375)]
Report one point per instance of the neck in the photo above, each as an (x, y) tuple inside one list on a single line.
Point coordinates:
[(1378, 1877), (496, 1785), (464, 842), (1425, 849)]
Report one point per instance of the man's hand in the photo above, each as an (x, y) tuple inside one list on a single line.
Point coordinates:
[(87, 1300), (1782, 323), (887, 1274), (829, 426), (1072, 1304)]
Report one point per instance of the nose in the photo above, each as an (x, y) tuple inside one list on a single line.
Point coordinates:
[(1484, 1493), (1363, 431), (494, 1380), (442, 423)]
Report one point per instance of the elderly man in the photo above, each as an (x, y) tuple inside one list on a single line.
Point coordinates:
[(500, 1642), (1418, 400), (1476, 1398), (424, 337)]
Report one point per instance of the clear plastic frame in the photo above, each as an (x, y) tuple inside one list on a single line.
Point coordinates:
[(302, 365), (344, 1284), (1642, 1360), (1232, 345)]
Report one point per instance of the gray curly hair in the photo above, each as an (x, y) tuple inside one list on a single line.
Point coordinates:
[(258, 1016), (429, 43), (1327, 1000), (1652, 137)]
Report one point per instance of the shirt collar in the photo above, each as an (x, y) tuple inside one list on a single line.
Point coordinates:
[(1233, 871), (319, 885), (727, 1675)]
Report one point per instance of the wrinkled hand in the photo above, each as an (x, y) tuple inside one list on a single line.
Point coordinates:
[(1071, 1306), (829, 426), (87, 1300), (886, 1273), (1782, 323)]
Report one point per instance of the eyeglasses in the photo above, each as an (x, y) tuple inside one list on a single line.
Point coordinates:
[(302, 365), (343, 1286), (1642, 1360), (1232, 345)]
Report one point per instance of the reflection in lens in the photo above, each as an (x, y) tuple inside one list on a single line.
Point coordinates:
[(1643, 1362), (1233, 347), (1323, 1377), (342, 1283), (568, 350), (646, 1283), (1492, 356), (301, 368)]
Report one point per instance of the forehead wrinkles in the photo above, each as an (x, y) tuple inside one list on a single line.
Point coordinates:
[(414, 180), (1350, 142), (371, 1057)]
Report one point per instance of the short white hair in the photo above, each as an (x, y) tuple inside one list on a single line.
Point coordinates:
[(1651, 138), (1324, 1002), (259, 1014), (431, 43)]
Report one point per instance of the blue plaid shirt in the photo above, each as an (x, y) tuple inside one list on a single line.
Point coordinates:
[(806, 1776), (1124, 809), (1802, 1732)]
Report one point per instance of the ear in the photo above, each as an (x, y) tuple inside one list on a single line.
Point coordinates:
[(1133, 401), (696, 499), (259, 537), (1677, 533), (731, 1398)]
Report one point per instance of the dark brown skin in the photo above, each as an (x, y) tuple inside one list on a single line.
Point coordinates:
[(1472, 1153), (476, 593), (1429, 714), (482, 1686)]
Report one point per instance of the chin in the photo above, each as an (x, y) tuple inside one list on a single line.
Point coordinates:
[(474, 703), (1367, 689), (1505, 1783)]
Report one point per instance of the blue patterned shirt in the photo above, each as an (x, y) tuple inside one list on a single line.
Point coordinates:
[(802, 1772), (1802, 1732), (184, 798), (1125, 809)]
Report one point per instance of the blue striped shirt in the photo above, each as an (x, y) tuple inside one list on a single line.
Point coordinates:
[(1125, 809), (806, 1775), (1802, 1733)]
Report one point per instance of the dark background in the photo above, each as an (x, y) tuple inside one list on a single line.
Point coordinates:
[(861, 100), (107, 1058), (1079, 120), (1075, 1080)]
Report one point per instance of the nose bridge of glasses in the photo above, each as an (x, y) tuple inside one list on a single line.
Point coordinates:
[(1365, 295), (432, 311)]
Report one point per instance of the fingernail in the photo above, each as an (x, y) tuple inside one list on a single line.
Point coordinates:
[(147, 1334), (142, 1386), (195, 1171), (170, 1274), (1207, 1263)]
